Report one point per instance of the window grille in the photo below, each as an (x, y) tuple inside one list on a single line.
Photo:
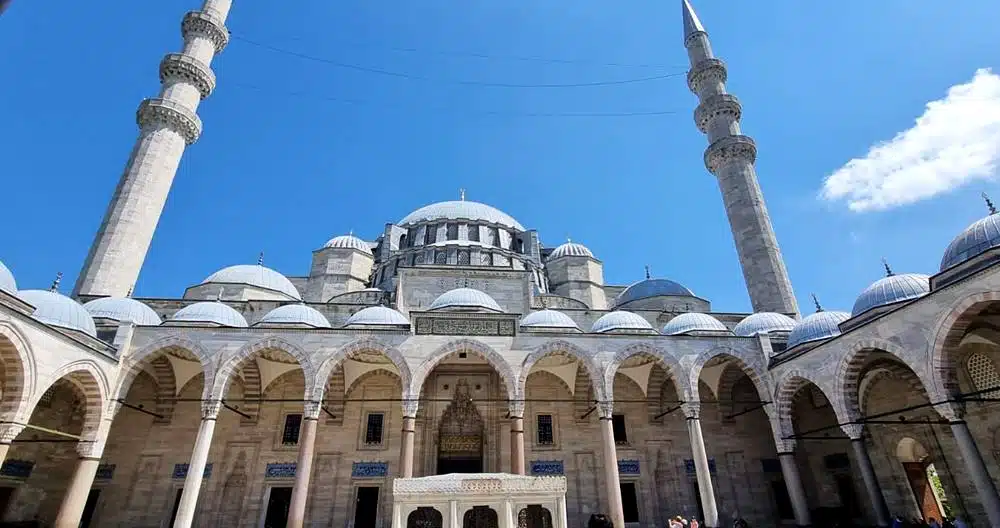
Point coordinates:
[(474, 233), (545, 436), (452, 231), (463, 258), (441, 257), (984, 374), (290, 435), (373, 430)]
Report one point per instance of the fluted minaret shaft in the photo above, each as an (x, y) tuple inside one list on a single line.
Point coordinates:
[(167, 124), (730, 156)]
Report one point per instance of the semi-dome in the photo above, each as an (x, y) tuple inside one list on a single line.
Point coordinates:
[(461, 210), (620, 320), (570, 249), (211, 312), (377, 316), (647, 288), (7, 282), (254, 275), (349, 242), (891, 290), (295, 314), (764, 323), (693, 322), (548, 319), (979, 237), (123, 310), (820, 325), (465, 298), (56, 309)]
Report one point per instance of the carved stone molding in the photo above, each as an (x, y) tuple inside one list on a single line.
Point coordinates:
[(410, 407), (310, 410), (706, 71), (715, 107), (178, 66), (728, 150), (516, 408), (90, 449), (691, 410), (210, 409), (606, 409), (9, 431), (158, 111), (202, 24), (484, 484)]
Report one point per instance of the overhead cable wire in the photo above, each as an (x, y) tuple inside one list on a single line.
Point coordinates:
[(410, 76), (362, 102)]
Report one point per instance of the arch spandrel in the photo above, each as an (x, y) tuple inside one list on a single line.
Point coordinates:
[(853, 363), (229, 366), (20, 372), (132, 363), (750, 362), (786, 388), (559, 346), (88, 377), (365, 344), (669, 363), (504, 369)]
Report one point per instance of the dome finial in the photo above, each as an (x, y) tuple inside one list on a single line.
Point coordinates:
[(55, 283), (569, 240), (647, 272), (819, 308), (350, 232), (888, 270), (461, 194), (129, 294), (989, 204), (222, 290), (260, 258)]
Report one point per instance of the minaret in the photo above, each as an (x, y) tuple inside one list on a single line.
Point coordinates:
[(730, 157), (167, 124)]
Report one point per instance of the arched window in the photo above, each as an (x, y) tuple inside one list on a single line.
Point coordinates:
[(983, 373)]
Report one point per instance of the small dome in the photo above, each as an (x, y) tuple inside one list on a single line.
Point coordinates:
[(764, 323), (377, 316), (548, 319), (123, 310), (570, 249), (461, 210), (7, 282), (979, 237), (820, 325), (295, 314), (891, 290), (620, 320), (349, 242), (693, 322), (254, 275), (56, 309), (645, 289), (465, 298), (212, 312)]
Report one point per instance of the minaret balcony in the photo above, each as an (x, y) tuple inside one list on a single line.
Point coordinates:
[(706, 71), (175, 116), (720, 106), (729, 150), (177, 66), (202, 24)]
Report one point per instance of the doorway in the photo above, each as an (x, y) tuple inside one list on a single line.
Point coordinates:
[(922, 478), (460, 443), (366, 507), (480, 517), (177, 504), (696, 493), (781, 500), (630, 502), (6, 494), (89, 508), (278, 503)]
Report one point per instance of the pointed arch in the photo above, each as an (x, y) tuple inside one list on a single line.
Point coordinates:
[(851, 367), (786, 389), (132, 364), (556, 347), (751, 363), (250, 350), (375, 373), (947, 338), (479, 348), (19, 372), (88, 378), (348, 351), (253, 392), (166, 388), (552, 377), (667, 361)]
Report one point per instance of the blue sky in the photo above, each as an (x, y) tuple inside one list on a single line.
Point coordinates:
[(286, 163)]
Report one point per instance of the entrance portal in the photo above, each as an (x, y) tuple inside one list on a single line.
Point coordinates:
[(922, 477), (278, 503), (480, 517), (460, 443)]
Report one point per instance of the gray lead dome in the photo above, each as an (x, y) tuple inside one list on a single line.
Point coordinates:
[(465, 298), (461, 210), (693, 322), (254, 275), (7, 282), (56, 309), (978, 238), (123, 310), (891, 290), (764, 323)]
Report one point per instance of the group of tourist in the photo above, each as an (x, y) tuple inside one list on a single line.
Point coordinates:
[(681, 522), (931, 522)]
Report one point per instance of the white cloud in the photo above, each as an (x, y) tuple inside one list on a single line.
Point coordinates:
[(955, 141)]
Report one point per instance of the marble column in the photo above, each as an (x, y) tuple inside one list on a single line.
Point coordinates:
[(196, 468), (875, 497), (561, 520), (615, 510), (517, 438), (453, 516), (702, 470), (409, 431), (303, 465), (75, 500), (507, 515), (793, 483), (8, 432), (977, 470)]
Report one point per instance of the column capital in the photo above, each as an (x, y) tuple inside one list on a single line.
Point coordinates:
[(516, 408), (210, 409), (784, 446), (951, 411), (310, 410), (854, 431), (410, 407), (606, 409), (91, 449), (9, 431), (691, 410)]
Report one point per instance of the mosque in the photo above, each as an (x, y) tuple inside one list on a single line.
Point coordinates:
[(456, 342)]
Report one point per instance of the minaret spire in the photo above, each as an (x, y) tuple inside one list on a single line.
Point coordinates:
[(167, 124), (730, 156)]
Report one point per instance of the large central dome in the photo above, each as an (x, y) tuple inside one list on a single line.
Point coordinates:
[(461, 210)]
